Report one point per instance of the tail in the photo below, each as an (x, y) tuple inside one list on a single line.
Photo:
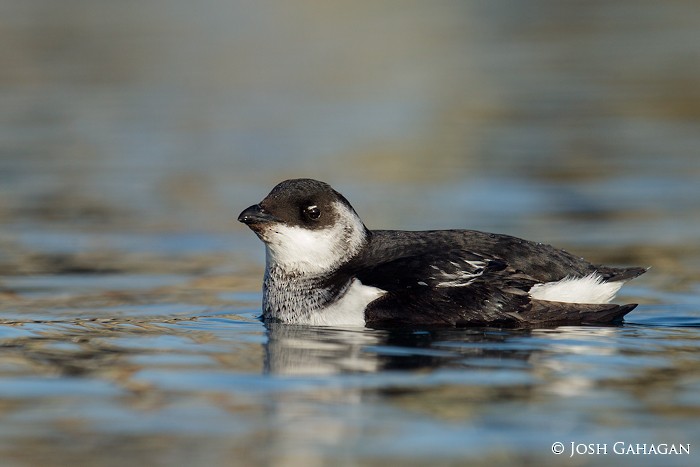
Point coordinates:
[(619, 274), (545, 313)]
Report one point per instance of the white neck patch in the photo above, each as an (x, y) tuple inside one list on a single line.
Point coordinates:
[(349, 310), (313, 252)]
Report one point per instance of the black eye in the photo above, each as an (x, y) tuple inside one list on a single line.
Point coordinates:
[(312, 212)]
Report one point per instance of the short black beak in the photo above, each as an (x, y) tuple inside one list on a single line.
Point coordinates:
[(255, 215)]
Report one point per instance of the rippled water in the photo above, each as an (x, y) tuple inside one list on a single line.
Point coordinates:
[(132, 134)]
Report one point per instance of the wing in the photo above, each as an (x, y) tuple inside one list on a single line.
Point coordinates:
[(456, 288), (538, 260), (463, 288), (472, 278), (444, 270)]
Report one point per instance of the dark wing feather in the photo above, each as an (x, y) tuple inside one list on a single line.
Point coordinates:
[(471, 278), (456, 267), (458, 288), (546, 313), (619, 274), (481, 305), (538, 260)]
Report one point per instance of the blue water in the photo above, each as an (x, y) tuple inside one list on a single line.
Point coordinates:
[(132, 135)]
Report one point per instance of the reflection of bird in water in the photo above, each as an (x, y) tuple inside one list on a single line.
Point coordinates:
[(318, 350), (324, 267), (311, 350)]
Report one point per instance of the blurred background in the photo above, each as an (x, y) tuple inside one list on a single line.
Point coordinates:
[(132, 133), (573, 122)]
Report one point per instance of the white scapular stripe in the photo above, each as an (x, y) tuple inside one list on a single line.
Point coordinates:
[(461, 279)]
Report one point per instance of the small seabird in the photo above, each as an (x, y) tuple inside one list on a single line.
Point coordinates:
[(324, 267)]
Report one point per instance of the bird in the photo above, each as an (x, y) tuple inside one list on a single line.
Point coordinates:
[(324, 267)]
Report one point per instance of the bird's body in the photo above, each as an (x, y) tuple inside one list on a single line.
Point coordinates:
[(324, 267)]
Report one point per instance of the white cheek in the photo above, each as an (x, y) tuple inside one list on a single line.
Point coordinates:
[(310, 252)]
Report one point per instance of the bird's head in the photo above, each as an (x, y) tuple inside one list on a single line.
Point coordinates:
[(307, 227)]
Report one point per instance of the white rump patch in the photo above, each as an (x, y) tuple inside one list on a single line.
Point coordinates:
[(348, 310), (588, 289)]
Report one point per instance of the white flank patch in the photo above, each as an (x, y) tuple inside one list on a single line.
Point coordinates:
[(348, 310), (313, 252), (587, 289)]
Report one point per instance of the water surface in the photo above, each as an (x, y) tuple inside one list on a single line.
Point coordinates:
[(132, 134)]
